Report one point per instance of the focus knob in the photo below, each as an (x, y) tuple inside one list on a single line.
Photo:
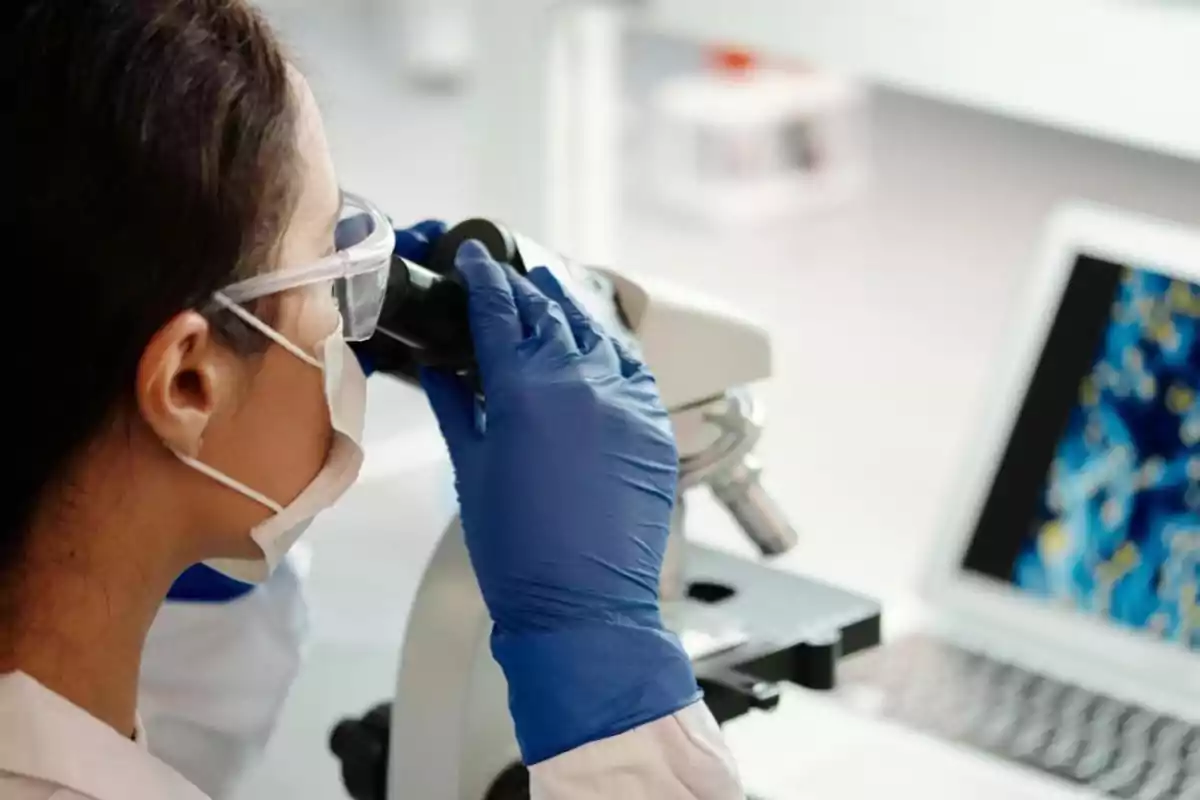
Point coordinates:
[(361, 745)]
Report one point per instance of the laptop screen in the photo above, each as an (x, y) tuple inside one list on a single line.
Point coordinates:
[(1096, 504)]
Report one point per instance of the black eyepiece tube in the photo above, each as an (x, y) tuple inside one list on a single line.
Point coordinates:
[(424, 319), (425, 314)]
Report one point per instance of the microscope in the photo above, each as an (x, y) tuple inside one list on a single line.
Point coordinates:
[(746, 625)]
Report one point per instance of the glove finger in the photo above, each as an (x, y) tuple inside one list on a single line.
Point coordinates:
[(586, 331), (495, 323), (453, 404), (416, 243), (542, 318)]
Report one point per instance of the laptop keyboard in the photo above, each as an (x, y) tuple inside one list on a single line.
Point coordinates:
[(1115, 748)]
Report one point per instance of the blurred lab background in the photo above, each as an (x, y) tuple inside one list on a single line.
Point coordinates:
[(880, 227)]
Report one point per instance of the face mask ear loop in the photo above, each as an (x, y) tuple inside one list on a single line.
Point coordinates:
[(222, 478), (265, 329)]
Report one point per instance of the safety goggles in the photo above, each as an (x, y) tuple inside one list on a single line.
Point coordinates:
[(357, 274)]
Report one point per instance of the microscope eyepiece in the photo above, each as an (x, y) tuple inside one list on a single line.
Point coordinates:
[(498, 240), (424, 320), (425, 313)]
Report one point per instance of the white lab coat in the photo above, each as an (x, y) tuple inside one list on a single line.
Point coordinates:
[(214, 678)]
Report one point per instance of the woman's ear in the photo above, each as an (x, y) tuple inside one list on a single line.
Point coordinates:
[(182, 376)]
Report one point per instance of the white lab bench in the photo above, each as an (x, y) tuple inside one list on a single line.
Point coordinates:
[(884, 316)]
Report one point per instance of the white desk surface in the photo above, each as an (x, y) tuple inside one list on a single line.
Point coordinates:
[(885, 314)]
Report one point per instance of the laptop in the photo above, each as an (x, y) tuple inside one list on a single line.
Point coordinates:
[(1057, 650)]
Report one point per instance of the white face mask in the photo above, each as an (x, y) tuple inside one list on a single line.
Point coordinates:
[(346, 395)]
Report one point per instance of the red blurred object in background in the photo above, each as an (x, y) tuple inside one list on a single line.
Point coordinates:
[(732, 60)]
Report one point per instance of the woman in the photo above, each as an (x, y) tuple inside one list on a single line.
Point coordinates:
[(191, 398)]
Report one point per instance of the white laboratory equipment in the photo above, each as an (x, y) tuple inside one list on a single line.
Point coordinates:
[(745, 142)]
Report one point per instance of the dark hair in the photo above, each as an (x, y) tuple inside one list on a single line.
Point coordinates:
[(150, 164)]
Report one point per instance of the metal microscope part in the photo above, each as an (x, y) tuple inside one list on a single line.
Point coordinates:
[(732, 473), (796, 627), (737, 421), (760, 517)]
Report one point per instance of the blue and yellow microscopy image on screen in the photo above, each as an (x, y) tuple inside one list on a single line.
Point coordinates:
[(1118, 526)]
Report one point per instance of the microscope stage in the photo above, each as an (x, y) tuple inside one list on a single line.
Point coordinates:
[(748, 626)]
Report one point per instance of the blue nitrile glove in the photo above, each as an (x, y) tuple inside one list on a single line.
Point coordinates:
[(201, 584), (566, 486)]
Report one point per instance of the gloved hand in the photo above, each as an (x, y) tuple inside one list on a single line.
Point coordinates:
[(416, 243), (566, 484), (202, 584)]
